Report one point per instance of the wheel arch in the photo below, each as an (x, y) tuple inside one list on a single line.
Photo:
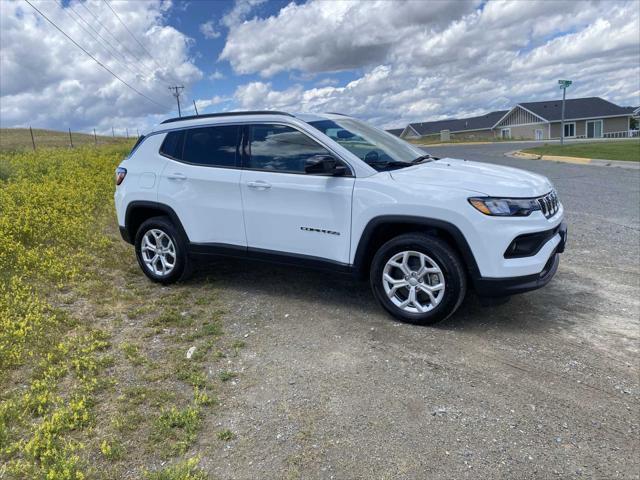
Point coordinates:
[(383, 228), (140, 210)]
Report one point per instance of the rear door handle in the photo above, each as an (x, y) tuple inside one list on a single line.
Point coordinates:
[(176, 176), (259, 185)]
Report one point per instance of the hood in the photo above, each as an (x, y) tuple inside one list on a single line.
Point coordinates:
[(486, 178)]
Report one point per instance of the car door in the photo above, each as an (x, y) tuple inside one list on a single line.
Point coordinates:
[(201, 182), (285, 209)]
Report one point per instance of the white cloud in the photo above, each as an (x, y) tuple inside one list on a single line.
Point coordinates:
[(239, 12), (208, 30), (327, 81), (432, 60), (203, 104), (216, 75), (331, 36), (48, 82)]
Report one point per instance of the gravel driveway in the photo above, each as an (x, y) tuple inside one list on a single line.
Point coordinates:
[(545, 386)]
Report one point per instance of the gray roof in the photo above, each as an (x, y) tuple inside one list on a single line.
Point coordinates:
[(395, 131), (483, 122), (576, 108)]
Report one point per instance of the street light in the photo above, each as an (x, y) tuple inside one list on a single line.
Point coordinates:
[(563, 85)]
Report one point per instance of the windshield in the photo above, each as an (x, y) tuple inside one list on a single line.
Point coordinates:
[(376, 147)]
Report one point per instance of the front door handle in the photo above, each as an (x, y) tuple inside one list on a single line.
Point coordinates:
[(260, 185), (176, 176)]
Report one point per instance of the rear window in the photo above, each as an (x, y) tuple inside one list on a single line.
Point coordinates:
[(211, 146), (172, 145)]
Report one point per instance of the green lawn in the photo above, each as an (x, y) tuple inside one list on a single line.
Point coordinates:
[(615, 150)]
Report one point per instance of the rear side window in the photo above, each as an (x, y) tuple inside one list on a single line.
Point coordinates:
[(137, 144), (211, 146), (281, 148), (172, 145)]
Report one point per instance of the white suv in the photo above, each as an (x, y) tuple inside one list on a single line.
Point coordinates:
[(331, 191)]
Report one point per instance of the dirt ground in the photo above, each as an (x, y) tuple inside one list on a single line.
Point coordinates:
[(545, 386)]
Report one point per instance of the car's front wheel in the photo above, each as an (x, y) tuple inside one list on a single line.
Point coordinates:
[(418, 278), (161, 251)]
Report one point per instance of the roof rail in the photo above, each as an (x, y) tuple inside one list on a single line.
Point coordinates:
[(226, 114)]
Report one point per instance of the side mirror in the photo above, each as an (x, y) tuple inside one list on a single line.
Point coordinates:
[(324, 165)]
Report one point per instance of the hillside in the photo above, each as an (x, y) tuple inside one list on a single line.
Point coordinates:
[(16, 139)]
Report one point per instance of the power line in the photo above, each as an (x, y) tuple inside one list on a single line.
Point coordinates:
[(133, 36), (115, 49), (111, 34), (94, 58), (66, 11)]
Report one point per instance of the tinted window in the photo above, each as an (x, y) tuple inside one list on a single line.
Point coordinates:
[(214, 146), (281, 148), (172, 145), (137, 144)]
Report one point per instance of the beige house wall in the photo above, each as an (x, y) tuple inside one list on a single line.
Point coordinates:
[(476, 134), (526, 131), (615, 124)]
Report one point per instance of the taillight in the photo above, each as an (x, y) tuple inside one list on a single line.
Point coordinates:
[(120, 174)]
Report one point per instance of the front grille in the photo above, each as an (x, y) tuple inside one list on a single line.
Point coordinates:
[(549, 204)]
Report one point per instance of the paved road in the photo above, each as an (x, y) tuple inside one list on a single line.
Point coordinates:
[(545, 386)]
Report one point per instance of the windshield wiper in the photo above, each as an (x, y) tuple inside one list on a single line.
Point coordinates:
[(389, 163), (423, 159)]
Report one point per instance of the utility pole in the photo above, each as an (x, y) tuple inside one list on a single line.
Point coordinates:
[(564, 84), (95, 137), (175, 91), (195, 107)]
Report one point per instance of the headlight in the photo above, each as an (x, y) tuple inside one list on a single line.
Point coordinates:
[(505, 207)]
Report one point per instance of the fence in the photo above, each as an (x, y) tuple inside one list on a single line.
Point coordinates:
[(49, 138), (623, 134)]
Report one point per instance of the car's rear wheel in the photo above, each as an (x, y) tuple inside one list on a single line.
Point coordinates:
[(161, 251), (418, 278)]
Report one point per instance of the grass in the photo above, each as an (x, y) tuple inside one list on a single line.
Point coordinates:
[(94, 381), (627, 150), (186, 470), (225, 435), (435, 140), (19, 139)]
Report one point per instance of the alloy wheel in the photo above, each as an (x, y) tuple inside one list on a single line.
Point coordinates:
[(158, 252), (413, 281)]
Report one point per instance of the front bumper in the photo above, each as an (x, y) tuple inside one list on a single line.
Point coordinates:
[(501, 287)]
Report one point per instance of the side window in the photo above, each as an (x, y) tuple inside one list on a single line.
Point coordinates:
[(172, 145), (281, 148), (211, 146)]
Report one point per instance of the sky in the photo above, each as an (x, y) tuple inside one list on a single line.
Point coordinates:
[(387, 62)]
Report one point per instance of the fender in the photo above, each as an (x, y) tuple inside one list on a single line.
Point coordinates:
[(423, 222), (128, 235)]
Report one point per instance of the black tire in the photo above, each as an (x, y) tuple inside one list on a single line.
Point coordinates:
[(447, 260), (182, 267)]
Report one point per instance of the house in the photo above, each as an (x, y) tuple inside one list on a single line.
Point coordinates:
[(472, 127), (591, 117), (395, 131)]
